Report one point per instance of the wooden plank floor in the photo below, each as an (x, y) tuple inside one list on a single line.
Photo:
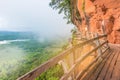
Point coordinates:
[(110, 69)]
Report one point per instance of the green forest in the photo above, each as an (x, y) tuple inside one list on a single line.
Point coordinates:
[(20, 57)]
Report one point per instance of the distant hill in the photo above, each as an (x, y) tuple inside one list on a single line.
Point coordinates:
[(8, 35)]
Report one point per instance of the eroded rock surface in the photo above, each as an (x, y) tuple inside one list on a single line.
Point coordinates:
[(102, 12)]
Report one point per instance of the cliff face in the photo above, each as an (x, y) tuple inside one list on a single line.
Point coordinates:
[(102, 12)]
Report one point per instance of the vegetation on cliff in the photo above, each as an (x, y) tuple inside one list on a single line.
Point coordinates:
[(63, 6), (69, 8)]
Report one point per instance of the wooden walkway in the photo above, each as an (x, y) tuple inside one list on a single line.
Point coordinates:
[(109, 69), (104, 66)]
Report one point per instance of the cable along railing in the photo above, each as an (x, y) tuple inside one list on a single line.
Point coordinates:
[(75, 59)]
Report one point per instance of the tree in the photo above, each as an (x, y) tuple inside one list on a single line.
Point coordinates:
[(69, 8), (74, 31), (63, 6)]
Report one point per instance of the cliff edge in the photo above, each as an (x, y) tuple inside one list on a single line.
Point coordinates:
[(102, 12)]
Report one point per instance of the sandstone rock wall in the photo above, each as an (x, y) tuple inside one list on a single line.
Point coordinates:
[(102, 12)]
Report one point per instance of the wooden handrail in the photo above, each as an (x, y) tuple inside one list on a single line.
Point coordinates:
[(50, 63), (83, 72), (66, 75), (45, 66), (88, 41)]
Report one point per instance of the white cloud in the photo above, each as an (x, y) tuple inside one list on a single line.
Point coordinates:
[(35, 15)]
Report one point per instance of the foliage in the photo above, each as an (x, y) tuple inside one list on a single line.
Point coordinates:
[(70, 10), (63, 6), (35, 54), (83, 5), (52, 74), (74, 31)]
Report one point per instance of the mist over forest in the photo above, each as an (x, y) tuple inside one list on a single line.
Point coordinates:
[(21, 52), (31, 32)]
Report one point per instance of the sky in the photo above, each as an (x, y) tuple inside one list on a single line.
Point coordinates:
[(32, 15)]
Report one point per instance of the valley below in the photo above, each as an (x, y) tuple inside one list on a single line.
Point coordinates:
[(21, 53)]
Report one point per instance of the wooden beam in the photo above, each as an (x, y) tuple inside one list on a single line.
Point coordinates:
[(94, 61), (42, 68), (66, 75), (99, 51)]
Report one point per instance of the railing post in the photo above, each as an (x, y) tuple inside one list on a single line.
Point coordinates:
[(74, 76), (68, 62), (98, 43), (104, 31), (103, 27), (72, 62)]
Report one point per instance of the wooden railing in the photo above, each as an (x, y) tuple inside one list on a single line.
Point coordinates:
[(75, 60)]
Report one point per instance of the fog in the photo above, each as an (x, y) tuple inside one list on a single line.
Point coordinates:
[(10, 41), (9, 53), (10, 57), (28, 16), (32, 15)]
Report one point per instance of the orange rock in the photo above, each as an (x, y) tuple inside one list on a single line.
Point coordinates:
[(99, 11)]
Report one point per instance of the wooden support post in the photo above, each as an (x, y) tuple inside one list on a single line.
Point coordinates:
[(103, 27), (104, 32), (88, 35), (92, 35), (64, 65), (67, 65), (80, 35), (72, 62), (74, 59), (98, 43), (71, 52)]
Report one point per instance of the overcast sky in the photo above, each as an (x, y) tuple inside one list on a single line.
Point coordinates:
[(31, 15)]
